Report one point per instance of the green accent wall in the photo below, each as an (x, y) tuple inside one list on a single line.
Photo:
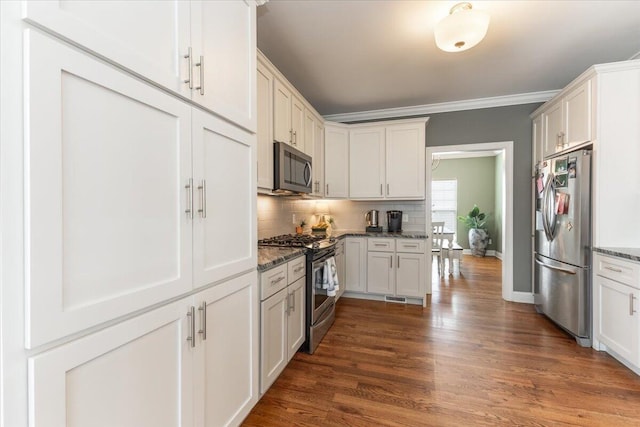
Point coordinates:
[(498, 124), (476, 185)]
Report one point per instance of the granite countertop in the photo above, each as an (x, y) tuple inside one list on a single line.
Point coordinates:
[(341, 234), (270, 256), (627, 253)]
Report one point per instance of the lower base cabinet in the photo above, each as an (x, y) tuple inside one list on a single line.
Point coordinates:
[(616, 301), (191, 362), (396, 267), (341, 268), (282, 318)]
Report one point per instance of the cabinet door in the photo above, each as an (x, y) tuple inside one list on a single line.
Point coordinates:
[(356, 264), (381, 273), (309, 135), (552, 129), (341, 267), (274, 338), (107, 161), (296, 331), (227, 352), (113, 31), (282, 131), (265, 127), (577, 115), (336, 162), (297, 123), (410, 275), (318, 160), (536, 138), (618, 324), (224, 201), (223, 35), (366, 163), (137, 373), (405, 161)]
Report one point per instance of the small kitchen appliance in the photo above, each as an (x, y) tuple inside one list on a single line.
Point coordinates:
[(371, 218), (394, 221)]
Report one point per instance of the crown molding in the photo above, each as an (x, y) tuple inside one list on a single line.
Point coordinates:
[(444, 107)]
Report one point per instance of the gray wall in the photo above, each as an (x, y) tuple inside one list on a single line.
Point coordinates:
[(476, 185), (495, 125)]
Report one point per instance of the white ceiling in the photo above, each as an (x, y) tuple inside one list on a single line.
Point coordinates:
[(351, 56)]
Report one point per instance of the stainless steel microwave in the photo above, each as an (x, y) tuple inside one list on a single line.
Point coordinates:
[(292, 169)]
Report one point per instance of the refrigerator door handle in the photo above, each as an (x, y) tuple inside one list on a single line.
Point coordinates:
[(564, 270), (545, 226), (548, 211)]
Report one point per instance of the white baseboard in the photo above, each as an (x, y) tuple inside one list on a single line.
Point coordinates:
[(489, 252), (498, 255), (523, 297)]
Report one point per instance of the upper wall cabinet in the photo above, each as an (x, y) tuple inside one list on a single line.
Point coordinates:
[(336, 160), (567, 121), (200, 50), (264, 95), (289, 118), (387, 160)]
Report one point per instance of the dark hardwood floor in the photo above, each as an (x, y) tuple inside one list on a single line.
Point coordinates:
[(467, 359)]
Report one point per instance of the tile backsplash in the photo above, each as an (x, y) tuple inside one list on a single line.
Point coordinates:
[(275, 214)]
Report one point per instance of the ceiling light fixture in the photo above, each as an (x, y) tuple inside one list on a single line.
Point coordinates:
[(462, 29)]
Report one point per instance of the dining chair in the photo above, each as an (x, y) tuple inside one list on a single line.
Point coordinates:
[(436, 245)]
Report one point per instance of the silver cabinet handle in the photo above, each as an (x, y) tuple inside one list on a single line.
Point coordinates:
[(188, 56), (203, 198), (291, 136), (201, 65), (398, 261), (380, 244), (391, 259), (189, 188), (295, 138), (631, 310), (203, 320), (298, 269), (327, 192), (617, 270), (191, 314), (381, 190), (409, 246), (278, 280)]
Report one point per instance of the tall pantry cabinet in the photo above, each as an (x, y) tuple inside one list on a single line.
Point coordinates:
[(128, 208)]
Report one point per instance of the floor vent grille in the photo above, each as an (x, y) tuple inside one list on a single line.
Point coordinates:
[(399, 300)]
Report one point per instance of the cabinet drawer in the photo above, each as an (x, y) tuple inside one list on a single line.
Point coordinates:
[(381, 245), (296, 269), (415, 246), (271, 281), (617, 269)]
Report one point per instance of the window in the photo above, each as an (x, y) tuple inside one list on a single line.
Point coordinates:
[(444, 202)]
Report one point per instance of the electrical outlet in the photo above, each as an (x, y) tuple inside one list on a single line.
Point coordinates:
[(405, 217), (490, 241), (293, 219)]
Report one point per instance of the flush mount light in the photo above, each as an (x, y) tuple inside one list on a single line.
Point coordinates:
[(462, 29)]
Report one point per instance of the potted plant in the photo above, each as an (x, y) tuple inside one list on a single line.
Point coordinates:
[(300, 227), (476, 221)]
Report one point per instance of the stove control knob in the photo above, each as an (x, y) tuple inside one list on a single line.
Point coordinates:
[(315, 245), (332, 239)]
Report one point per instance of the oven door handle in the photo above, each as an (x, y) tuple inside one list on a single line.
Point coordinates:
[(324, 258)]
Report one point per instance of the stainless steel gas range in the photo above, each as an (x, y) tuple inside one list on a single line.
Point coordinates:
[(320, 307)]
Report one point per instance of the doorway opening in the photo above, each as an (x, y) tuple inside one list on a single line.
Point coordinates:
[(504, 184)]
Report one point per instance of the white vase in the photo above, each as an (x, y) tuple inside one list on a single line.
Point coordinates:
[(478, 240)]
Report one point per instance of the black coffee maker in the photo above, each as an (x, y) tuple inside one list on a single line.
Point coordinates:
[(394, 221)]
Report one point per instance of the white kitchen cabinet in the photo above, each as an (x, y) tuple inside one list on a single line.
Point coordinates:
[(318, 160), (264, 135), (405, 161), (223, 200), (223, 36), (356, 264), (202, 50), (367, 162), (616, 285), (288, 117), (380, 273), (396, 267), (387, 161), (112, 163), (536, 139), (341, 267), (282, 318), (156, 368), (336, 160), (567, 121), (108, 158)]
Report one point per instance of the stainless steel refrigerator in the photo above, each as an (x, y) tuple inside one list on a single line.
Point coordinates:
[(562, 271)]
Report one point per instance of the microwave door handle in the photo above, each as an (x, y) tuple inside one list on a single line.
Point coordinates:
[(307, 172)]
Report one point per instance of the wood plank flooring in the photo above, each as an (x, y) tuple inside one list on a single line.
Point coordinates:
[(467, 359)]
